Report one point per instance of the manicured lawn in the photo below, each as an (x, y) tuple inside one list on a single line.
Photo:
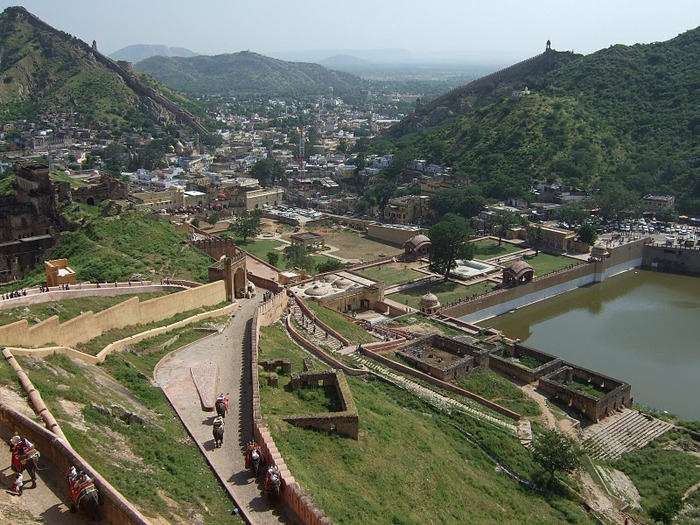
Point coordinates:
[(258, 247), (392, 273), (341, 324), (489, 248), (446, 292), (544, 263), (67, 309)]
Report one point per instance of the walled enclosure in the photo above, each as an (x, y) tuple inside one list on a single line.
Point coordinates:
[(346, 422), (471, 358), (501, 359), (618, 393), (128, 313)]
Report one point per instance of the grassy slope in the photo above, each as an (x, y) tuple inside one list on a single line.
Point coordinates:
[(409, 463)]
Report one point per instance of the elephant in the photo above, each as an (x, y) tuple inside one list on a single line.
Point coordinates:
[(273, 482), (85, 497), (25, 456), (218, 433)]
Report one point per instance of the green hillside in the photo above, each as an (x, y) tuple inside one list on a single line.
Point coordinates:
[(48, 72), (626, 114), (247, 73)]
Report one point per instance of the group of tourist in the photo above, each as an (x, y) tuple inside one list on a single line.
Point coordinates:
[(13, 294)]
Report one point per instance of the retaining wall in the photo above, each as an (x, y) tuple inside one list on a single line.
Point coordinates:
[(115, 509), (128, 313)]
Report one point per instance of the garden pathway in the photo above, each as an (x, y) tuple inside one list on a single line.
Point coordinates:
[(229, 353)]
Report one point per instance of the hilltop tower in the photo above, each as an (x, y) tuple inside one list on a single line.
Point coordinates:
[(549, 46)]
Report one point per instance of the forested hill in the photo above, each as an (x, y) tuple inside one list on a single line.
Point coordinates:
[(247, 73), (482, 91), (626, 117), (46, 71)]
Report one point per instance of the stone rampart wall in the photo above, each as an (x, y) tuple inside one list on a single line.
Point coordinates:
[(115, 509), (128, 313), (672, 259), (292, 494)]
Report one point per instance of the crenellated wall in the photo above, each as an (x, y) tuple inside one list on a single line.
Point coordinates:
[(128, 313)]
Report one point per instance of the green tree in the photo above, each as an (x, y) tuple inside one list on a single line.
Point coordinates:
[(504, 220), (273, 258), (587, 234), (449, 243), (296, 257), (267, 171), (556, 452), (246, 224), (329, 265), (667, 509), (614, 201), (535, 236), (213, 217), (571, 212), (666, 214)]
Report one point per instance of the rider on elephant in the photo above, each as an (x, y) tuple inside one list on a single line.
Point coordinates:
[(221, 398), (273, 475), (219, 421), (80, 485), (22, 451), (253, 446)]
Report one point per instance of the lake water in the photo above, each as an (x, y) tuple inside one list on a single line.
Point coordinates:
[(642, 327)]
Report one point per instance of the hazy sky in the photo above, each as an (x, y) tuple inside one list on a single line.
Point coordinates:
[(519, 28)]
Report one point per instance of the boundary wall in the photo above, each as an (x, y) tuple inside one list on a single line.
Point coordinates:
[(114, 508), (623, 258), (119, 345), (292, 494), (128, 313)]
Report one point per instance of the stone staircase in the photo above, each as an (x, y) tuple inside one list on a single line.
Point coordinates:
[(439, 401), (314, 333), (624, 432)]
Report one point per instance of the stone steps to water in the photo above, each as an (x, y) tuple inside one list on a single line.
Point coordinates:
[(629, 431)]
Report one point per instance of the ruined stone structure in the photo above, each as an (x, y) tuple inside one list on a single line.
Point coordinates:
[(102, 187), (345, 422), (594, 395), (523, 363), (445, 358)]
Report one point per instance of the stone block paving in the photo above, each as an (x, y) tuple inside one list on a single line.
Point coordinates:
[(314, 333), (620, 433)]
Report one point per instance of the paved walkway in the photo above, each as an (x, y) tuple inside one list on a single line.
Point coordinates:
[(230, 352), (47, 503)]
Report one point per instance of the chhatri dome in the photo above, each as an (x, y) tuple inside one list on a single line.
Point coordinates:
[(429, 303)]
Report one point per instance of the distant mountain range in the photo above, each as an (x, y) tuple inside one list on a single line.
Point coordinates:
[(139, 52), (247, 73), (625, 116), (46, 71)]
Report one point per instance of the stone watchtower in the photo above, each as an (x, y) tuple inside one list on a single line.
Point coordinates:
[(548, 47)]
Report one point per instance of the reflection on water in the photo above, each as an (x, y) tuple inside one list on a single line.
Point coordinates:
[(641, 327)]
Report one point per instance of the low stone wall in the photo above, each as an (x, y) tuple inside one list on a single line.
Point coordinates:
[(441, 384), (118, 346), (672, 259), (115, 509), (323, 356), (128, 313)]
